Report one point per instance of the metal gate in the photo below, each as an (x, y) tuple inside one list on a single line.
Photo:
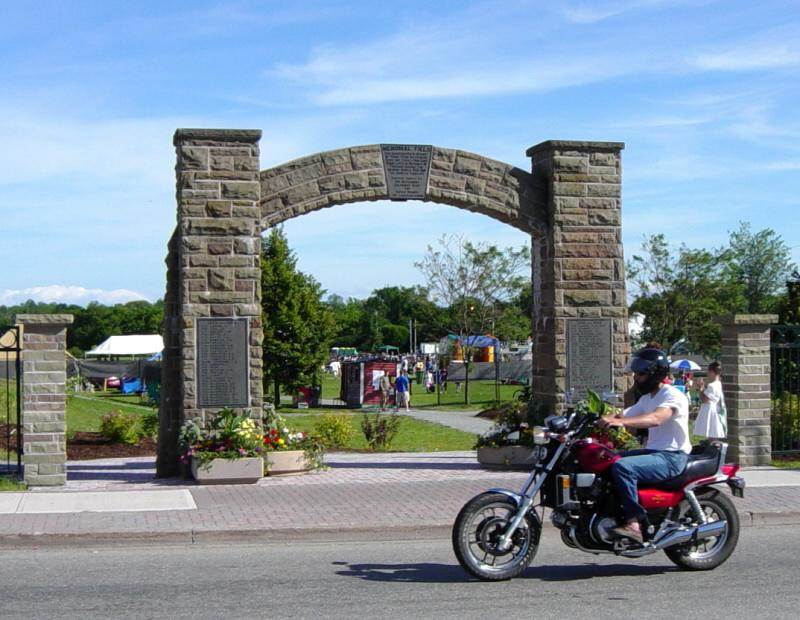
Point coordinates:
[(785, 389), (10, 401)]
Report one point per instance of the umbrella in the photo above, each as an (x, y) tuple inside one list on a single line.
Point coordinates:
[(685, 365)]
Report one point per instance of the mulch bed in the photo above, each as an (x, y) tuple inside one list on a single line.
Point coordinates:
[(86, 445)]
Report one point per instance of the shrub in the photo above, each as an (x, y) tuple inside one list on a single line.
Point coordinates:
[(148, 424), (120, 427), (334, 430), (379, 431)]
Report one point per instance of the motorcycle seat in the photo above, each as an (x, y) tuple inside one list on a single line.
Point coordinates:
[(703, 462)]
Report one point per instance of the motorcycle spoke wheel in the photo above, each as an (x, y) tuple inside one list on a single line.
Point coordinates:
[(476, 536), (710, 552)]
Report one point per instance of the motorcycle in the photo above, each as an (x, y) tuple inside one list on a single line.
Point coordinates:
[(496, 534)]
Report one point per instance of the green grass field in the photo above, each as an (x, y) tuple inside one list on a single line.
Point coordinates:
[(8, 402), (85, 410), (481, 394), (413, 435)]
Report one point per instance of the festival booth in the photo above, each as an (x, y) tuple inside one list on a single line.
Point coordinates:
[(141, 364), (361, 380)]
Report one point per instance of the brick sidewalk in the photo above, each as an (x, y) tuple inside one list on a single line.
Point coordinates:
[(361, 492)]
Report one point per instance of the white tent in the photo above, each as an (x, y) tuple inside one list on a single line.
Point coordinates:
[(129, 345)]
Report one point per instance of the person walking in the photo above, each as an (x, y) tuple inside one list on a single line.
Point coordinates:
[(712, 419), (384, 385), (401, 390)]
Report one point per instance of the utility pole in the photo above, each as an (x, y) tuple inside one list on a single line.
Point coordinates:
[(410, 337)]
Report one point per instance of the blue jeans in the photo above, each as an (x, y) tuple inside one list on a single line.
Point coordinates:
[(646, 466)]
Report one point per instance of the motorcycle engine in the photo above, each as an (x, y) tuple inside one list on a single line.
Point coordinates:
[(600, 529)]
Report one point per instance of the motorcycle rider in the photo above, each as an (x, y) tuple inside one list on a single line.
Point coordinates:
[(664, 411)]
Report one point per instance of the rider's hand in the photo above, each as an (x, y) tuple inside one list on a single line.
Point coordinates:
[(609, 421)]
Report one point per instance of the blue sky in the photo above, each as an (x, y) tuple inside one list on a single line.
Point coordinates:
[(703, 93)]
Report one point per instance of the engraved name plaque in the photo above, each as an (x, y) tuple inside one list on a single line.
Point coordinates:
[(589, 357), (222, 368), (407, 167)]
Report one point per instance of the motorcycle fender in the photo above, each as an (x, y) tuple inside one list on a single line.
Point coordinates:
[(533, 518), (511, 494)]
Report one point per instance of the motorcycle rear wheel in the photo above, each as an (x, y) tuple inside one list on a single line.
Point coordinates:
[(711, 552), (476, 531)]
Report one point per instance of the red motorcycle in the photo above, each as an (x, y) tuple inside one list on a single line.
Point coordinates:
[(496, 534)]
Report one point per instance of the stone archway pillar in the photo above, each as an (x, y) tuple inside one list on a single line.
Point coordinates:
[(578, 267), (44, 400), (746, 383), (213, 271)]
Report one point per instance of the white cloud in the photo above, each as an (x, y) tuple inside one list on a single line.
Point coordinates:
[(592, 12), (770, 49), (59, 293), (465, 55)]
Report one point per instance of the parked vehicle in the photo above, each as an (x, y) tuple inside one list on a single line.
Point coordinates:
[(496, 534)]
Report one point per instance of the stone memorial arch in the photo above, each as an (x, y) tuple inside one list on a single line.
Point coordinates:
[(569, 203)]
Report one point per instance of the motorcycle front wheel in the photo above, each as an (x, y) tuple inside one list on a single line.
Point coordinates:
[(477, 530)]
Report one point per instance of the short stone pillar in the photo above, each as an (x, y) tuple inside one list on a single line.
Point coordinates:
[(213, 272), (746, 385), (44, 416), (578, 270)]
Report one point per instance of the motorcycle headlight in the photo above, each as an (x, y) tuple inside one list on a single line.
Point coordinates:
[(540, 435)]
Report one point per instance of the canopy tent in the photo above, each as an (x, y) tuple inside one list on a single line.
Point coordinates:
[(388, 348), (129, 345), (481, 341)]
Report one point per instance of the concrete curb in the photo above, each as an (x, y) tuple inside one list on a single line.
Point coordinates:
[(421, 531)]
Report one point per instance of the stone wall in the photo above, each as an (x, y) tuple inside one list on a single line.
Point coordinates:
[(746, 385), (213, 267), (44, 376), (356, 174), (578, 266)]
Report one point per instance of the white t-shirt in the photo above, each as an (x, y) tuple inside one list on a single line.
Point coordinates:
[(672, 434)]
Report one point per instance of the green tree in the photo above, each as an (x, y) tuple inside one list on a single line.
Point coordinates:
[(298, 327), (761, 263), (682, 293), (473, 281)]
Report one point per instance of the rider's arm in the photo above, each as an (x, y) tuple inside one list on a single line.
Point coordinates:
[(649, 420)]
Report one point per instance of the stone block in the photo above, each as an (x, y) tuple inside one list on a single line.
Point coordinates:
[(194, 158), (240, 190), (587, 298)]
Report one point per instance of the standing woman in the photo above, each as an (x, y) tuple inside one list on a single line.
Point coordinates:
[(712, 419)]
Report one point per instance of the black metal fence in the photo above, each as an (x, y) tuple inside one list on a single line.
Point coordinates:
[(785, 389), (10, 401)]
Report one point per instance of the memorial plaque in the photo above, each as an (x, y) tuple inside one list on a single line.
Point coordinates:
[(222, 363), (407, 167), (589, 357)]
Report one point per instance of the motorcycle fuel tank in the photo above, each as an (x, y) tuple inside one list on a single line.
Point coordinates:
[(593, 456)]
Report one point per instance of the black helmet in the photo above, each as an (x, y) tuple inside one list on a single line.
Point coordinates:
[(652, 362)]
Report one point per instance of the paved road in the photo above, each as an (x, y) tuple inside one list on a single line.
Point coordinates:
[(390, 579)]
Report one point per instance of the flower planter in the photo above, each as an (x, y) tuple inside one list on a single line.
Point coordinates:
[(506, 457), (229, 471), (285, 462)]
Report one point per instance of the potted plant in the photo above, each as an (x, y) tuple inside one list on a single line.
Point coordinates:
[(286, 451), (227, 450), (509, 444)]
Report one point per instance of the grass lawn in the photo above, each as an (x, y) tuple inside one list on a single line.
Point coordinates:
[(786, 462), (413, 436), (84, 411), (10, 484), (8, 402), (481, 394)]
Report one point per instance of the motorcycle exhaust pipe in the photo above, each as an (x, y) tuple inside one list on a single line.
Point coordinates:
[(707, 530)]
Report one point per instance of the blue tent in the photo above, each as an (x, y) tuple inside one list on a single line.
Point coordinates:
[(481, 341)]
